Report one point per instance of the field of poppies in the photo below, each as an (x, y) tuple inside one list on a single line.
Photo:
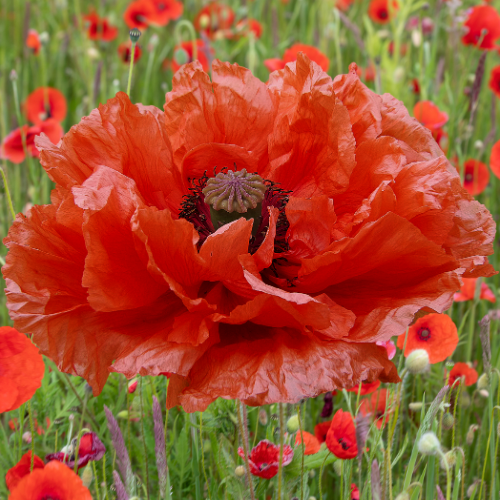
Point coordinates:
[(249, 250)]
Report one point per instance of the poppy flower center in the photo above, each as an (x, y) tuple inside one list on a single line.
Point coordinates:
[(424, 333), (343, 443), (469, 177), (383, 14)]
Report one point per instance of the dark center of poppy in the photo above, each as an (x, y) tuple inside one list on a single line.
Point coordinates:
[(469, 177), (424, 333), (383, 14), (49, 498), (263, 466), (161, 6), (342, 443)]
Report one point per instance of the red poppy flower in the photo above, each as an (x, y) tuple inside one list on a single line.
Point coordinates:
[(368, 225), (21, 469), (341, 437), (214, 18), (403, 49), (441, 137), (39, 429), (99, 28), (468, 290), (429, 115), (415, 86), (165, 11), (12, 146), (187, 53), (125, 52), (44, 103), (476, 176), (312, 445), (274, 64), (389, 347), (90, 448), (380, 12), (244, 26), (483, 25), (494, 82), (33, 41), (321, 430), (13, 424), (343, 4), (138, 14), (55, 480), (21, 369), (366, 388), (376, 406), (354, 492), (462, 370), (495, 159), (264, 458), (311, 52), (436, 333)]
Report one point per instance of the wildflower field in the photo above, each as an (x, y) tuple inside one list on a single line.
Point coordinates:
[(249, 249)]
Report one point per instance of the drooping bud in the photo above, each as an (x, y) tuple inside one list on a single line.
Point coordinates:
[(123, 414), (417, 406), (483, 381), (470, 434), (239, 471), (293, 424), (132, 386), (498, 429), (472, 488), (312, 473), (429, 444), (417, 361), (181, 56), (448, 421), (87, 476), (448, 460)]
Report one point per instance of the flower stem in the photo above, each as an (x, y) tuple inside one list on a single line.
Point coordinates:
[(203, 456), (303, 452), (32, 430), (131, 67), (245, 451), (144, 441), (192, 35), (282, 435), (7, 192)]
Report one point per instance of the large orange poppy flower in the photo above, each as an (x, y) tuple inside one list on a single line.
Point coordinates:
[(22, 469), (495, 159), (21, 369), (429, 115), (468, 290), (55, 480), (436, 333), (12, 146), (380, 11), (362, 223), (165, 11), (98, 28), (462, 371), (341, 437), (483, 25), (476, 176), (44, 103)]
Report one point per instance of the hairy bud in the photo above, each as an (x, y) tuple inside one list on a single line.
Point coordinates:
[(429, 444), (417, 361), (470, 434), (448, 421)]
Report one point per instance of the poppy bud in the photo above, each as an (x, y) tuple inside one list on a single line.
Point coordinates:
[(417, 406), (417, 361), (13, 75), (44, 37), (484, 393), (479, 144), (87, 476), (181, 56), (470, 434), (239, 471), (311, 498), (483, 381), (448, 460), (134, 35), (71, 417), (293, 424), (429, 444), (123, 414), (472, 488), (263, 417), (416, 38), (207, 446), (448, 421), (399, 74), (132, 386), (27, 437), (312, 473), (403, 496), (337, 467)]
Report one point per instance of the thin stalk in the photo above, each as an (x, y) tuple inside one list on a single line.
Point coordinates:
[(448, 476), (80, 427), (245, 451), (131, 67), (192, 35), (321, 475), (280, 463), (144, 440), (32, 430), (7, 192), (303, 452), (203, 455), (96, 481)]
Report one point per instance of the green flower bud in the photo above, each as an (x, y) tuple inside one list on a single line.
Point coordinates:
[(429, 444), (448, 421), (293, 424), (403, 496), (417, 361), (483, 381), (87, 476), (417, 406)]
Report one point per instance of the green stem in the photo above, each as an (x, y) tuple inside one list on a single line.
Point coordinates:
[(280, 464), (303, 452), (32, 430), (245, 451), (203, 456), (7, 192), (144, 438), (192, 35), (131, 67)]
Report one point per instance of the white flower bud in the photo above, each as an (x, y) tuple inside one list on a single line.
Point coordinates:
[(417, 361), (399, 74), (403, 496), (416, 38), (93, 53), (479, 144), (483, 381), (337, 467), (383, 34), (449, 459), (263, 417), (429, 444), (44, 37), (484, 393)]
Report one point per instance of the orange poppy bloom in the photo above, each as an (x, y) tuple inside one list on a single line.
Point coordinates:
[(164, 11), (21, 469), (187, 52), (436, 333), (361, 224), (55, 480), (138, 14), (495, 159), (12, 146), (476, 176), (321, 430), (380, 12), (21, 369), (494, 82), (125, 52), (462, 371), (44, 103), (244, 26), (215, 19), (483, 24), (341, 437), (99, 28), (343, 4), (429, 115), (312, 445), (33, 41), (468, 290), (376, 407), (367, 388), (291, 54)]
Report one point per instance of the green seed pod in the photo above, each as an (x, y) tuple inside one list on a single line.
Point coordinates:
[(337, 467), (293, 424), (403, 496), (417, 361), (448, 421), (239, 471)]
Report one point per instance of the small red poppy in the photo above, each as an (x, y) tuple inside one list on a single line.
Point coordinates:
[(321, 430), (476, 176), (214, 18), (403, 49), (39, 429), (341, 437), (164, 11), (21, 369), (429, 115), (366, 387), (99, 29), (462, 370), (468, 291), (415, 86), (495, 159), (436, 333), (494, 82), (343, 4), (55, 480), (380, 12), (244, 27), (138, 14), (12, 146), (274, 64), (44, 103), (33, 42), (376, 406), (354, 492), (483, 25), (311, 442), (90, 448), (125, 51), (186, 49), (311, 52), (264, 458), (21, 469)]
